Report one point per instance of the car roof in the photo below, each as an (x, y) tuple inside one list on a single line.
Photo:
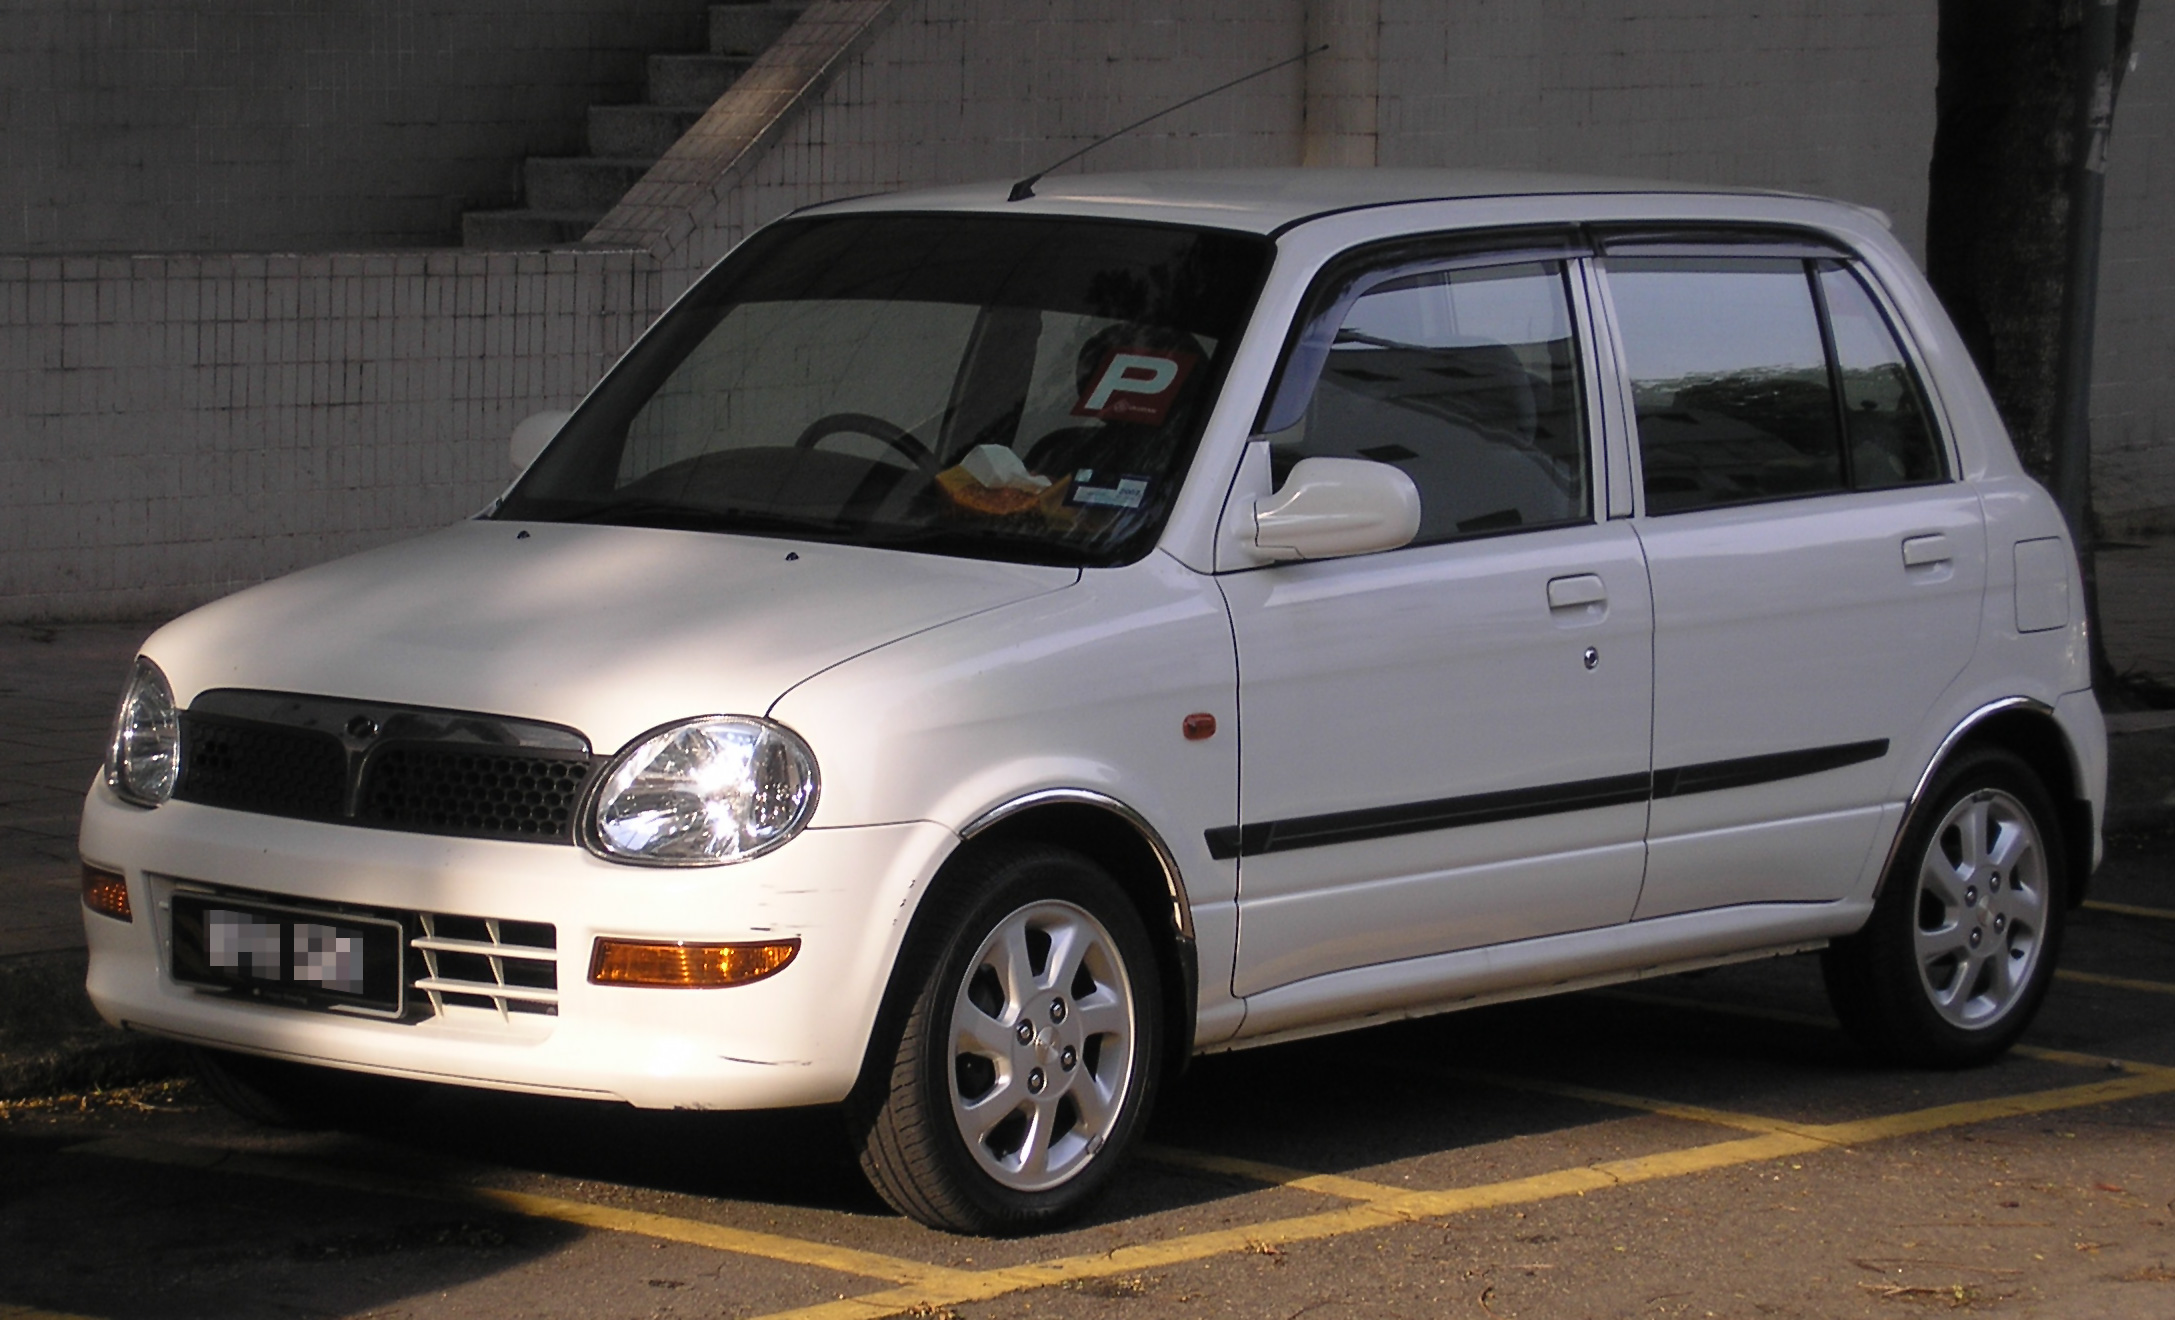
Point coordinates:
[(1265, 201)]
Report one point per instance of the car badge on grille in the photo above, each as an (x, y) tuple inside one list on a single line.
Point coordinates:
[(362, 728)]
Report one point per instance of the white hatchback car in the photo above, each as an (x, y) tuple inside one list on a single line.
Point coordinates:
[(972, 654)]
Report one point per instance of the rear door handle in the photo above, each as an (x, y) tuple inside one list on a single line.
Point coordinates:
[(1919, 551), (1570, 593)]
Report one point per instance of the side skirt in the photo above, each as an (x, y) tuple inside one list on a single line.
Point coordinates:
[(1529, 969)]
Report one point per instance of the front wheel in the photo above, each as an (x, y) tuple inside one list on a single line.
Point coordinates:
[(1960, 948), (1027, 1057)]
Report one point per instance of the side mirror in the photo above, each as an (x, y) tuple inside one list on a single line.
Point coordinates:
[(535, 431), (1331, 507)]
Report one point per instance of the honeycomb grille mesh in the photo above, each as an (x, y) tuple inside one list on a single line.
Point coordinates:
[(480, 792), (265, 768), (458, 786)]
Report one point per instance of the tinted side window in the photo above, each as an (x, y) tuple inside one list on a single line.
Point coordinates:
[(1468, 381), (1891, 440), (1730, 379)]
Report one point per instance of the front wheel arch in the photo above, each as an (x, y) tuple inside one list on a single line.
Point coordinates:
[(1144, 868), (902, 1130)]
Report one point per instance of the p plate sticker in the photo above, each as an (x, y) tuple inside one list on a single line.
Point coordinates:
[(1125, 493), (1135, 385)]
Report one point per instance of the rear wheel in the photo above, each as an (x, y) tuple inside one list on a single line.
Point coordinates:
[(1957, 956), (1026, 1060)]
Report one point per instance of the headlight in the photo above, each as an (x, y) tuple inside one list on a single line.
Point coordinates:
[(722, 788), (144, 759)]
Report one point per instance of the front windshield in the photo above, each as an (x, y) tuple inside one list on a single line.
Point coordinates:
[(992, 386)]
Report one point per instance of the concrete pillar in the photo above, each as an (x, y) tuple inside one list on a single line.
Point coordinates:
[(1341, 82)]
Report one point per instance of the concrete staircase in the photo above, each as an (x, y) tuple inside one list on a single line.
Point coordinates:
[(565, 196)]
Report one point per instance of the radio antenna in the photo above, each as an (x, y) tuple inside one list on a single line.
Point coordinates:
[(1025, 188)]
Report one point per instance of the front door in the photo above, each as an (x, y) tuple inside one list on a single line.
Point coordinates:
[(1446, 745)]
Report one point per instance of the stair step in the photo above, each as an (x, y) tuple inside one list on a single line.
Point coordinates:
[(579, 185), (564, 197), (639, 132), (747, 28), (523, 229), (693, 79)]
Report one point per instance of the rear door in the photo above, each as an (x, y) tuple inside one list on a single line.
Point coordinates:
[(1444, 745), (1816, 570)]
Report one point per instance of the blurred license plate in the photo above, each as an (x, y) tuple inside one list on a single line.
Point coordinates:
[(289, 955)]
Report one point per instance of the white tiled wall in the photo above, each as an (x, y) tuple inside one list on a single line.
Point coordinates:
[(177, 427), (1833, 97)]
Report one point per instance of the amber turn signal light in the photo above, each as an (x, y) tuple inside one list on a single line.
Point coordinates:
[(106, 892), (677, 966)]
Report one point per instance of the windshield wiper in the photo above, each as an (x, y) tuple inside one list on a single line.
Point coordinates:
[(695, 517), (973, 544)]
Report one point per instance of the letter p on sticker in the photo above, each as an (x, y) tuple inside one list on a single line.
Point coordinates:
[(1135, 386)]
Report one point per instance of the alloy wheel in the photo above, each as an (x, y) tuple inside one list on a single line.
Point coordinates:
[(1041, 1044), (1981, 913)]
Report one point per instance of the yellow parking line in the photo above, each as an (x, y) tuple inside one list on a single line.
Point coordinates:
[(8, 1312), (2141, 1080), (2131, 909), (928, 1287), (1408, 1206), (1623, 1100), (1276, 1175), (2116, 982), (719, 1237)]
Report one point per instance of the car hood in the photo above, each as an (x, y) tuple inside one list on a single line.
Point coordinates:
[(612, 630)]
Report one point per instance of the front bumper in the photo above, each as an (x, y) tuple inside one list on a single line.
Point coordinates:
[(795, 1038)]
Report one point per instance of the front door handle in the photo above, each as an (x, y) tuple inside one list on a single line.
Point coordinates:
[(1570, 593), (1918, 551)]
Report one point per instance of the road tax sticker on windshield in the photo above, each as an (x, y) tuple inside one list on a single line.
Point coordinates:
[(1114, 491), (1136, 385)]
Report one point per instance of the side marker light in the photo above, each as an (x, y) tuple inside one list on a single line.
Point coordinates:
[(106, 893), (681, 966)]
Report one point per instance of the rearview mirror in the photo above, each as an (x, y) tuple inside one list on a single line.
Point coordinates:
[(1332, 507), (535, 431)]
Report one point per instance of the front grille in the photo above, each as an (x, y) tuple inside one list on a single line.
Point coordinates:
[(269, 768), (450, 789), (410, 768), (482, 962)]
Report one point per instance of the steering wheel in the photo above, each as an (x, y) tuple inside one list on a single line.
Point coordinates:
[(877, 428)]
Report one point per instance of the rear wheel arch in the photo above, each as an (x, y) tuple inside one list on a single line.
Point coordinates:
[(2026, 729)]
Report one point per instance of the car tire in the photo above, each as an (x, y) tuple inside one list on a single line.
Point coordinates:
[(277, 1093), (1961, 946), (1022, 1053)]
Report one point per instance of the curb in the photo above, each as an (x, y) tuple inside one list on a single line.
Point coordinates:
[(2141, 774), (52, 1042)]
